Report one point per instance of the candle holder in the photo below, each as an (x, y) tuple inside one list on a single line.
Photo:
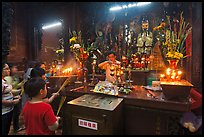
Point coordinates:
[(122, 76), (112, 69), (117, 71), (129, 81), (84, 71), (93, 72), (124, 61), (140, 61), (79, 73)]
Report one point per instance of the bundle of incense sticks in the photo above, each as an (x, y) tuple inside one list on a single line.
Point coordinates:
[(61, 103), (22, 87), (63, 85), (63, 97)]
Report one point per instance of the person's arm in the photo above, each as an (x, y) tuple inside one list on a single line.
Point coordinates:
[(103, 65), (46, 100), (16, 92), (54, 126), (51, 98), (10, 102), (18, 85), (196, 98)]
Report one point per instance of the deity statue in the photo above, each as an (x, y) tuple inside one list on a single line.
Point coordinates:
[(145, 39)]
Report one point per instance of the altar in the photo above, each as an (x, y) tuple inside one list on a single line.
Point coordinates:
[(142, 114)]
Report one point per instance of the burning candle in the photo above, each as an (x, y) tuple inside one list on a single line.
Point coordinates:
[(118, 74), (179, 72), (112, 73), (173, 73), (172, 77), (67, 71), (168, 71), (122, 68), (94, 62), (162, 77), (123, 58), (112, 68)]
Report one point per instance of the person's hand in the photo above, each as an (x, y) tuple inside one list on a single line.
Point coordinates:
[(110, 62), (17, 97), (58, 118), (55, 94), (16, 101)]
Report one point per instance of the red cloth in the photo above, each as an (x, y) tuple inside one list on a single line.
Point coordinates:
[(196, 98), (38, 117)]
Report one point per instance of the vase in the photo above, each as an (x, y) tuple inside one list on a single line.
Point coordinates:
[(173, 63), (82, 71), (79, 72)]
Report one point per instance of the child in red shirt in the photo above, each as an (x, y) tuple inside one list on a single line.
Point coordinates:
[(38, 116)]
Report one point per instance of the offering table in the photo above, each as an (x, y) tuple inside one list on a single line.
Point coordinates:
[(142, 114)]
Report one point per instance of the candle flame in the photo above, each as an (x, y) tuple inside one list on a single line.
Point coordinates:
[(173, 77), (173, 74), (162, 75), (112, 68), (179, 72)]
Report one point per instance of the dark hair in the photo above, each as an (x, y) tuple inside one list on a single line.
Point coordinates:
[(110, 52), (37, 72), (12, 66), (42, 63), (38, 64), (33, 86)]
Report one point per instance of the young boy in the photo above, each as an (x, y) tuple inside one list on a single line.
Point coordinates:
[(39, 72), (111, 61), (38, 116)]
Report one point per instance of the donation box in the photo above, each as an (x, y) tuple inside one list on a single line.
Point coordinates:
[(96, 114)]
